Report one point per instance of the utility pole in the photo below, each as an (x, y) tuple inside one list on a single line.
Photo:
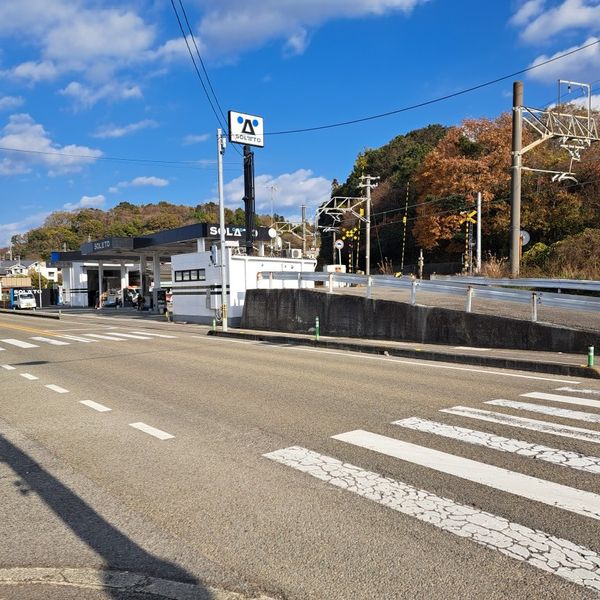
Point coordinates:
[(368, 182), (221, 143), (515, 189), (478, 232), (303, 207)]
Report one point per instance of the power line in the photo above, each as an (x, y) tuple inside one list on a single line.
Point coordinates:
[(201, 61), (164, 163), (435, 100)]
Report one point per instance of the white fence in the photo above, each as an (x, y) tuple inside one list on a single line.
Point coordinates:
[(468, 288)]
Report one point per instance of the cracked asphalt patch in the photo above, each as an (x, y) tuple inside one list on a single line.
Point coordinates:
[(121, 581)]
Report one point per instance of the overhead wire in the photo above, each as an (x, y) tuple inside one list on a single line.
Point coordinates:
[(435, 100)]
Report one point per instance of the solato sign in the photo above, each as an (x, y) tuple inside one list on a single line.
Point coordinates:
[(246, 129)]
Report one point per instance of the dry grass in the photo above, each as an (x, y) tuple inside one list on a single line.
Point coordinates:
[(494, 267)]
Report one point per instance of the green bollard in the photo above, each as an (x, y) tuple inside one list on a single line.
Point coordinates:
[(214, 324), (590, 362), (317, 329)]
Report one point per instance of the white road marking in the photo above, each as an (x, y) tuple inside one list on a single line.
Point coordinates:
[(160, 335), (50, 341), (537, 548), (19, 343), (563, 399), (75, 338), (157, 433), (565, 458), (2, 349), (471, 348), (577, 390), (105, 337), (8, 367), (57, 389), (430, 364), (132, 336), (29, 376), (564, 413), (95, 405), (212, 338), (577, 433), (540, 490)]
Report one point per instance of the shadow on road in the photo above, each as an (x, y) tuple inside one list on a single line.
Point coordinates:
[(119, 552)]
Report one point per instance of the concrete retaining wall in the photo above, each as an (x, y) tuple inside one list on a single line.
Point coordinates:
[(353, 316)]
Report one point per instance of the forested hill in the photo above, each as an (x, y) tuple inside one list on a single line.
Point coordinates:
[(441, 170), (72, 228)]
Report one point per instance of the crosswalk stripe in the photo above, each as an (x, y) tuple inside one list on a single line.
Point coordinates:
[(580, 391), (565, 458), (105, 337), (532, 488), (19, 343), (564, 413), (50, 341), (132, 336), (8, 367), (537, 548), (563, 399), (75, 338), (576, 433), (160, 335)]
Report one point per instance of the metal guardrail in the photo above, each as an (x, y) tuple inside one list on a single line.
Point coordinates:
[(584, 285), (449, 287)]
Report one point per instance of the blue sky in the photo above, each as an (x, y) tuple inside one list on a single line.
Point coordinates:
[(85, 82)]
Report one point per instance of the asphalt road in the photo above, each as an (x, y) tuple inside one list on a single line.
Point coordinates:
[(170, 491)]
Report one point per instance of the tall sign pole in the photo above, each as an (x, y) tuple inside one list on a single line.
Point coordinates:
[(515, 188), (220, 151), (368, 182), (249, 197)]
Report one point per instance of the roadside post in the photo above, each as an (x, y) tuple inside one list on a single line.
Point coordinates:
[(590, 356), (317, 329)]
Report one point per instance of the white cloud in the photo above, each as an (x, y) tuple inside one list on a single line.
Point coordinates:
[(196, 139), (527, 12), (581, 66), (10, 102), (140, 182), (7, 230), (33, 147), (288, 191), (114, 131), (86, 202), (230, 27), (86, 96), (568, 15), (34, 72)]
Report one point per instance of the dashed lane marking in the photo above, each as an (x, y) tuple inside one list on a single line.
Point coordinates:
[(57, 389), (8, 367), (565, 458), (564, 399), (471, 348), (547, 492), (95, 405), (19, 343), (50, 341), (576, 415), (577, 433), (29, 376), (157, 433), (552, 554)]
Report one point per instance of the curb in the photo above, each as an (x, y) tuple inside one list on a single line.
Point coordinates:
[(515, 364), (32, 313)]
